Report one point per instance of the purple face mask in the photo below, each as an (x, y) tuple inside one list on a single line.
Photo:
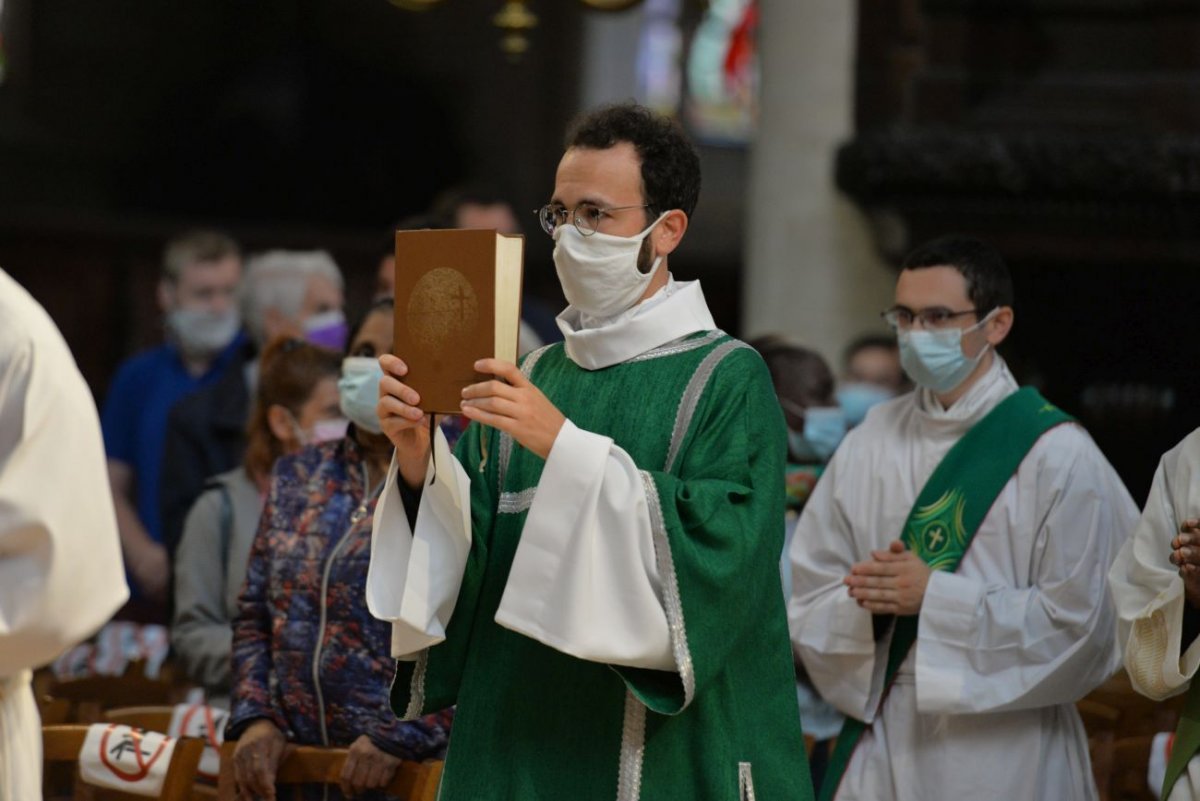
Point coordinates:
[(327, 330)]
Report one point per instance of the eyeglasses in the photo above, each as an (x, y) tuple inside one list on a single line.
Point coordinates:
[(901, 318), (586, 216)]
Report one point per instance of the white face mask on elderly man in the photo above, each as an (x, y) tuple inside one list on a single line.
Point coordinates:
[(200, 332), (599, 272)]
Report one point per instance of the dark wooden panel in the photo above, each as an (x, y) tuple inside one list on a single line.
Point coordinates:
[(1067, 133)]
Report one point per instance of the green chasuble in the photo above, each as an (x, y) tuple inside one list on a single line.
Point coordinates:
[(700, 419)]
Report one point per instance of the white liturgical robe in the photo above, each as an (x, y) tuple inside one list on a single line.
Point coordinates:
[(982, 708), (1149, 592), (61, 575)]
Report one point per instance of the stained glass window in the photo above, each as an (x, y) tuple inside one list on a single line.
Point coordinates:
[(709, 75), (723, 72)]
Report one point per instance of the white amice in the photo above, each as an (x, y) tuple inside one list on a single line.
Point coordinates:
[(983, 706)]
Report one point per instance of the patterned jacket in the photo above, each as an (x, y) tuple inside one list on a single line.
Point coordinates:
[(307, 654)]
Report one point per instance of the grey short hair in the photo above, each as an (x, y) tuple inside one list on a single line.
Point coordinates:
[(196, 247), (278, 279)]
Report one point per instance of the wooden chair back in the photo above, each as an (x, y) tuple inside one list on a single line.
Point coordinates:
[(62, 744), (148, 718), (1130, 768), (1116, 717), (304, 764), (88, 698)]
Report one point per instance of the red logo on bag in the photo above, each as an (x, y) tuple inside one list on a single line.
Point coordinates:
[(210, 726), (132, 741)]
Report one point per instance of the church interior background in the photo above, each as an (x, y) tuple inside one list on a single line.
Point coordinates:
[(833, 136)]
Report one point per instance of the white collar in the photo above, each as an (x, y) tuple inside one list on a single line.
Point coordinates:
[(676, 310), (992, 387)]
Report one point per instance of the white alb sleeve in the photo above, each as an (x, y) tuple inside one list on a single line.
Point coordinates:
[(584, 579), (414, 576)]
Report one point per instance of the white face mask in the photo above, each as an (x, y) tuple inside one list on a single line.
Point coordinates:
[(322, 431), (200, 332), (599, 273)]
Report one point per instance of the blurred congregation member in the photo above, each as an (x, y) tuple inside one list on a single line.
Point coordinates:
[(577, 575), (476, 206), (482, 206), (60, 554), (385, 274), (311, 665), (197, 295), (296, 405), (285, 294), (948, 570), (871, 374), (816, 425), (1156, 585)]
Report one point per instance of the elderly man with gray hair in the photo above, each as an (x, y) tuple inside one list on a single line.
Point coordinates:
[(200, 271), (285, 293)]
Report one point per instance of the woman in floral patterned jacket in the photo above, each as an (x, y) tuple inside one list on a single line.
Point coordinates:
[(311, 665)]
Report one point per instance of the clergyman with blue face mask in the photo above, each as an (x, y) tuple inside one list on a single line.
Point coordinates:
[(960, 538)]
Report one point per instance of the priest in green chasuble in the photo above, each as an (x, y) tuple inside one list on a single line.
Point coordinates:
[(948, 572), (592, 576)]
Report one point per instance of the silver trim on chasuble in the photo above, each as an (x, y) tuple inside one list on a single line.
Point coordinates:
[(745, 782), (512, 503), (670, 585), (681, 345), (633, 747), (634, 733), (506, 440), (416, 700), (691, 396)]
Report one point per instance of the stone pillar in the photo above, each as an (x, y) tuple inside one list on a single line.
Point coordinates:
[(812, 271)]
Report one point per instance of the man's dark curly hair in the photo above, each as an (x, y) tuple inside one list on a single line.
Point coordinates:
[(670, 166)]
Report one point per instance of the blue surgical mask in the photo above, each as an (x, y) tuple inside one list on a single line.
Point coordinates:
[(358, 391), (824, 428), (935, 359), (857, 399)]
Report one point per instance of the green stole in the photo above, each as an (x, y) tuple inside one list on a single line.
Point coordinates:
[(945, 517), (1187, 739)]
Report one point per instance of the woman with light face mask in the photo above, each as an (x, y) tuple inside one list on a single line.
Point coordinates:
[(303, 632), (296, 405), (816, 425)]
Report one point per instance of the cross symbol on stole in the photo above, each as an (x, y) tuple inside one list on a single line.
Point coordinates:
[(935, 537)]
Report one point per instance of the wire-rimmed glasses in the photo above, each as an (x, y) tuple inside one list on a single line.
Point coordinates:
[(586, 216)]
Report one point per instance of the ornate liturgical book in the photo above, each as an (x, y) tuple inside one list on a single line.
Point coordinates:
[(458, 299)]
